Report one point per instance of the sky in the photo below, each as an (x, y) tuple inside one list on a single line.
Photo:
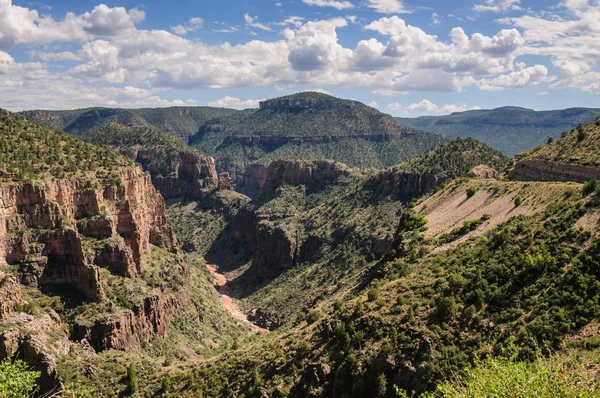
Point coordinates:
[(404, 57)]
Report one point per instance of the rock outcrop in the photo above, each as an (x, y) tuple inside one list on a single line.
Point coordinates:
[(483, 172), (191, 176), (132, 328), (300, 172), (404, 185), (62, 231), (253, 180), (543, 170)]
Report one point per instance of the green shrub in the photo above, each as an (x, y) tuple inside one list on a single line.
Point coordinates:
[(313, 316), (589, 187), (373, 294), (518, 200), (471, 191), (506, 378), (16, 379), (581, 134), (132, 380)]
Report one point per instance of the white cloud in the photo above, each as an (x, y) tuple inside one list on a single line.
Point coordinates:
[(319, 90), (435, 19), (190, 26), (106, 52), (22, 26), (295, 21), (394, 106), (498, 6), (373, 104), (427, 107), (527, 77), (235, 103), (340, 5), (253, 23), (388, 6)]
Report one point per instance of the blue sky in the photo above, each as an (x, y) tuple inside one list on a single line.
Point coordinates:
[(407, 58)]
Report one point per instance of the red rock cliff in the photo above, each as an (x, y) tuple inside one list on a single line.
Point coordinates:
[(44, 229)]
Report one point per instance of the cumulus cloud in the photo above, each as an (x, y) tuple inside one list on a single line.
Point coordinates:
[(319, 90), (388, 6), (394, 106), (20, 25), (108, 52), (373, 104), (527, 77), (235, 103), (498, 6), (427, 107), (340, 5)]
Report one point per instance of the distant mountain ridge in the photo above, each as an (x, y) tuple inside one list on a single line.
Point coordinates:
[(180, 122), (303, 126), (508, 129)]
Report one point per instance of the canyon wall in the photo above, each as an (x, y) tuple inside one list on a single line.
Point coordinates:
[(191, 176)]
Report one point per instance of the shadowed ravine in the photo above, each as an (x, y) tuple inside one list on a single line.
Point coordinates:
[(228, 302)]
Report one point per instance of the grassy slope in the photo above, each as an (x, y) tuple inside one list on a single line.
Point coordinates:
[(510, 129), (455, 159)]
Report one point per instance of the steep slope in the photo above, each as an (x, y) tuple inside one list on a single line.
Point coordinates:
[(508, 129), (573, 157), (310, 126), (87, 259), (176, 169)]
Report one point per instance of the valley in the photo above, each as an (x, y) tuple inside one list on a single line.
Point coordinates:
[(310, 248)]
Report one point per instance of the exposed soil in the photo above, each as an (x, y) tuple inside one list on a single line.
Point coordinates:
[(227, 301)]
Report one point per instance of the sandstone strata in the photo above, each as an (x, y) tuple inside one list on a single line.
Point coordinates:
[(405, 185), (45, 229), (134, 327), (543, 170), (300, 172)]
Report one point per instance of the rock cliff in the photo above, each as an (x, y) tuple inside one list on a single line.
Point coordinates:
[(190, 176), (132, 328), (62, 231), (404, 185), (299, 172), (544, 170)]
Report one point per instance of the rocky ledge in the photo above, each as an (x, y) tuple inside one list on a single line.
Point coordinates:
[(543, 170)]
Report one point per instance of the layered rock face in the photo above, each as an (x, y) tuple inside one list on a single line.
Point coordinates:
[(253, 180), (543, 170), (45, 229), (299, 172), (190, 177), (404, 185), (274, 241), (135, 327)]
